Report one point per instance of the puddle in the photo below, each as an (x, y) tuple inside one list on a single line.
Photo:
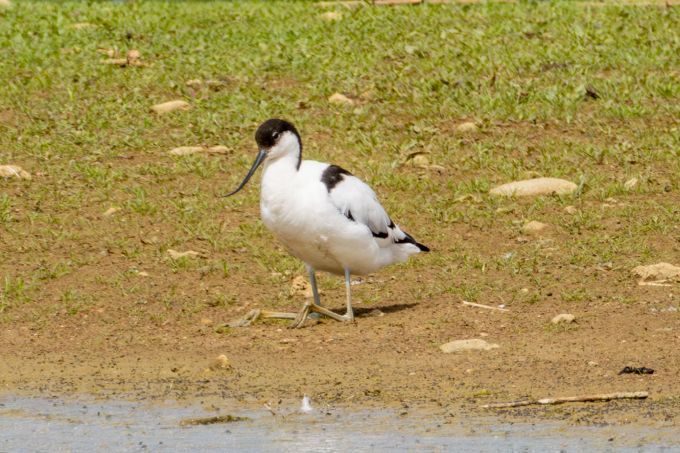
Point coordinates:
[(44, 424)]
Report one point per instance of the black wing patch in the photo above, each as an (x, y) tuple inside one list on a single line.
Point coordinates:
[(383, 234), (333, 175)]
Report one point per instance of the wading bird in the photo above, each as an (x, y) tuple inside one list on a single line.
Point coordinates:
[(323, 215)]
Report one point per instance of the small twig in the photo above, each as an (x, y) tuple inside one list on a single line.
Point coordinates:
[(488, 307), (654, 283), (571, 399)]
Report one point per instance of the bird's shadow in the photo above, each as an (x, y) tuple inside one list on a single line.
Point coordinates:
[(365, 312)]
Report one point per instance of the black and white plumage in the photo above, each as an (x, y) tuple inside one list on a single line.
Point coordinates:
[(323, 214)]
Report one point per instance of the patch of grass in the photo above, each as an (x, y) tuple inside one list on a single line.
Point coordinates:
[(74, 302), (5, 209), (14, 291), (521, 74)]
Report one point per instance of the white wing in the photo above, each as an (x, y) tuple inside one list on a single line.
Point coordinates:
[(357, 201)]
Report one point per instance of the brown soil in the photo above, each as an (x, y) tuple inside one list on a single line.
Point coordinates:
[(391, 359), (155, 337)]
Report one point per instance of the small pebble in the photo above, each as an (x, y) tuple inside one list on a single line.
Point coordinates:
[(340, 99), (466, 127), (565, 318), (467, 345), (537, 186), (534, 227), (170, 106)]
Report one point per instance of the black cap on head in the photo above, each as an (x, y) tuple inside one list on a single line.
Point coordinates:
[(269, 132)]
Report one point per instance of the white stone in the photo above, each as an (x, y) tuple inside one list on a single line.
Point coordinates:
[(534, 227), (340, 99), (630, 184), (536, 186), (174, 254), (331, 16), (186, 150), (564, 318), (659, 271), (466, 127), (14, 171), (474, 344), (170, 106)]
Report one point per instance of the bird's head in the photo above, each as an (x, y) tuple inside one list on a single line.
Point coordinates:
[(275, 139)]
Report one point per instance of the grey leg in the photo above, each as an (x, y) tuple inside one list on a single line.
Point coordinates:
[(310, 308), (349, 314), (312, 280)]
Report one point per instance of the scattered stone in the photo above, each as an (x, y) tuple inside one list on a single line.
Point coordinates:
[(194, 83), (534, 227), (188, 150), (215, 84), (13, 171), (174, 254), (331, 16), (108, 52), (212, 420), (340, 99), (630, 184), (536, 186), (374, 313), (82, 25), (132, 58), (133, 54), (143, 274), (571, 210), (207, 322), (170, 106), (218, 149), (301, 287), (593, 363), (466, 127), (397, 2), (419, 159), (116, 61), (636, 370), (149, 240), (564, 318), (475, 344), (109, 212), (659, 271), (220, 363)]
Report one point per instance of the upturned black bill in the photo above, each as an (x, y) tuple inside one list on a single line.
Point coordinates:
[(258, 160)]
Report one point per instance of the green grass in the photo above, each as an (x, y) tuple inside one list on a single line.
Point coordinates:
[(520, 72)]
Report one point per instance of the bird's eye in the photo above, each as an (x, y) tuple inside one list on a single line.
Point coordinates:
[(275, 135)]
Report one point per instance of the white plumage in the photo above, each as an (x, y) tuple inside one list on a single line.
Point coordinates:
[(323, 215)]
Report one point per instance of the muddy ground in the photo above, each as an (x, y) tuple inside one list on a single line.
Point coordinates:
[(389, 356)]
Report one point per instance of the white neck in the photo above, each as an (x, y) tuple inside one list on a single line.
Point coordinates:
[(286, 151)]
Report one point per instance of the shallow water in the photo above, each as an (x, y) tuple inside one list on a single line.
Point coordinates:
[(40, 424)]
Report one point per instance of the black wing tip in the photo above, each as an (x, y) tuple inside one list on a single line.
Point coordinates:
[(409, 240), (422, 247)]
